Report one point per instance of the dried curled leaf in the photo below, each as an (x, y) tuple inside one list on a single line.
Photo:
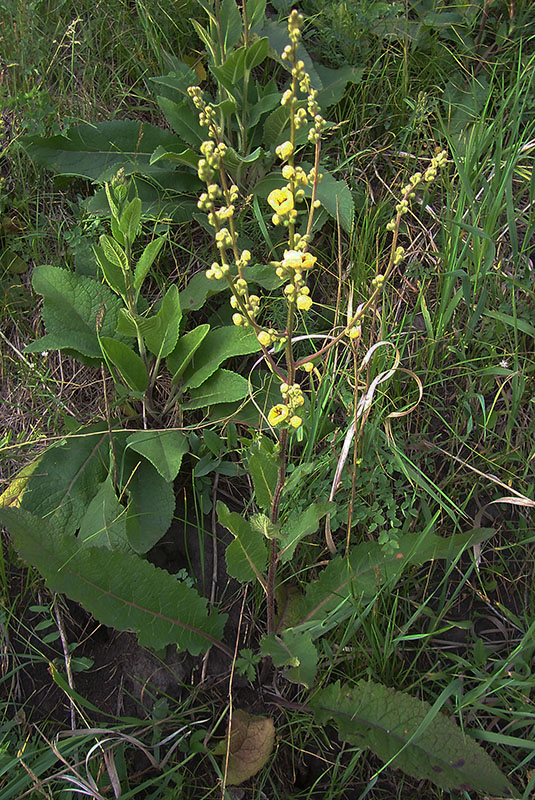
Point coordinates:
[(251, 744)]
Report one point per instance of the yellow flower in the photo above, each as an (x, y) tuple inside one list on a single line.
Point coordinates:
[(278, 414), (281, 201), (284, 150), (304, 302), (295, 421), (264, 338), (298, 260)]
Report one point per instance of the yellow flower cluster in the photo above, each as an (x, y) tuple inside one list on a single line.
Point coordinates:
[(285, 412)]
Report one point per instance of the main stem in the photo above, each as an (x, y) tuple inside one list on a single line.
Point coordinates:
[(273, 554)]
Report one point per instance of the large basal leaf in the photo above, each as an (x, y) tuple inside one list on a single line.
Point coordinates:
[(71, 306), (247, 554), (151, 503), (118, 589), (67, 478), (98, 151), (164, 449), (368, 569), (219, 344), (104, 521), (410, 735), (223, 387), (183, 121)]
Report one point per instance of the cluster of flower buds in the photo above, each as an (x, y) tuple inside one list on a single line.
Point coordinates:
[(286, 411), (408, 192), (207, 113)]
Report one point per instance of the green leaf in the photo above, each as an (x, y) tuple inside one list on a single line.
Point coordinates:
[(98, 151), (145, 262), (164, 449), (223, 387), (256, 53), (72, 304), (151, 503), (234, 162), (114, 252), (118, 589), (130, 218), (256, 10), (130, 366), (277, 33), (113, 275), (410, 735), (231, 24), (183, 121), (177, 154), (295, 650), (247, 554), (265, 104), (335, 198), (276, 127), (299, 525), (104, 521), (264, 470), (198, 290), (178, 360), (177, 81), (230, 73), (131, 324), (367, 569), (514, 322), (161, 340), (219, 344), (68, 477), (334, 83)]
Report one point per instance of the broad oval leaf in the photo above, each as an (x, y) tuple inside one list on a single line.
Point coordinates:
[(223, 387), (104, 521), (145, 262), (164, 449), (219, 344), (114, 252), (72, 304)]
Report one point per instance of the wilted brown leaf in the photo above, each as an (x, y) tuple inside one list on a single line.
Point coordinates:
[(251, 744)]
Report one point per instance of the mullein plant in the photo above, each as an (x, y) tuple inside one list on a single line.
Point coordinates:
[(219, 203)]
